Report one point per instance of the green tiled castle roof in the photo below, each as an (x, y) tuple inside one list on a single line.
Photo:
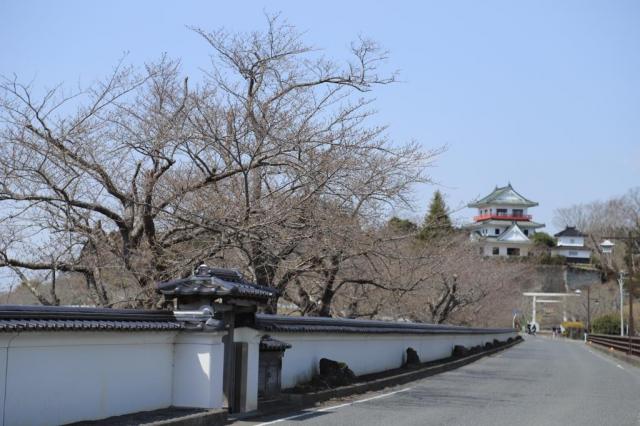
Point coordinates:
[(505, 195)]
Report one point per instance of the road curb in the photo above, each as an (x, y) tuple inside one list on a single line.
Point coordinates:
[(313, 398)]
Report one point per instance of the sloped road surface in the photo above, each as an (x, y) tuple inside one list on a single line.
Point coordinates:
[(539, 382)]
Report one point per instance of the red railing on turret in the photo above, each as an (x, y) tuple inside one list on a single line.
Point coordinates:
[(496, 216)]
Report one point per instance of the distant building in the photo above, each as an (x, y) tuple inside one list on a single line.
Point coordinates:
[(503, 225), (571, 245)]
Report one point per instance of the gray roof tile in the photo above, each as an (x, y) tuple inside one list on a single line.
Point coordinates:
[(280, 323), (35, 318), (570, 231), (215, 282)]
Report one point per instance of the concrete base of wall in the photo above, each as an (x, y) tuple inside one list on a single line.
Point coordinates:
[(174, 416)]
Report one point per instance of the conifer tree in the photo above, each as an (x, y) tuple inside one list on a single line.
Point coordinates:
[(436, 222)]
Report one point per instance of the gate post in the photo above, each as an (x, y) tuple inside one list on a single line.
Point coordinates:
[(197, 370), (247, 363)]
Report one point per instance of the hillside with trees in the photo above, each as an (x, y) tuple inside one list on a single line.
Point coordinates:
[(618, 220)]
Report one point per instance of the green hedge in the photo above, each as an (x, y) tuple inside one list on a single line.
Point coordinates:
[(606, 324)]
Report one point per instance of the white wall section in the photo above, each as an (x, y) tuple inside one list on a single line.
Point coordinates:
[(57, 377), (366, 353), (54, 377)]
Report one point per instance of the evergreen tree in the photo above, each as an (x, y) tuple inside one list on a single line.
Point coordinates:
[(436, 222), (542, 239)]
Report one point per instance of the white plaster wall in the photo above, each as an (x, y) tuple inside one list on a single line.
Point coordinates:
[(251, 337), (61, 377), (4, 340), (56, 377), (366, 353), (585, 254), (253, 359), (502, 248), (571, 241), (197, 370)]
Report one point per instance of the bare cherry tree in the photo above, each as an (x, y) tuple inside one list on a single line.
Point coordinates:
[(138, 177), (89, 180), (275, 102), (446, 280)]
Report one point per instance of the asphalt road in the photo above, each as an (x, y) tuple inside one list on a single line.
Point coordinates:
[(539, 382)]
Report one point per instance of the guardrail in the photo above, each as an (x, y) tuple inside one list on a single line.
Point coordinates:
[(627, 344)]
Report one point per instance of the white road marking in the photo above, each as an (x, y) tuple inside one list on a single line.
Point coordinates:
[(610, 361), (333, 407)]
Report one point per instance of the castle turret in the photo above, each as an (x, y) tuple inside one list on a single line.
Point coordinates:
[(503, 224)]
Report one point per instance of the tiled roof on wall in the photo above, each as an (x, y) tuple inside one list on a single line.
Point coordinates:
[(35, 318)]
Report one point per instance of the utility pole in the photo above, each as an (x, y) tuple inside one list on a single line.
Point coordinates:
[(631, 327), (589, 309), (621, 288), (631, 284)]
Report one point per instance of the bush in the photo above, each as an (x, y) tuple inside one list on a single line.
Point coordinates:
[(403, 226), (542, 239), (573, 329), (549, 259), (606, 324)]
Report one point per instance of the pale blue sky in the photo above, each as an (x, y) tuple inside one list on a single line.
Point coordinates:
[(544, 94)]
